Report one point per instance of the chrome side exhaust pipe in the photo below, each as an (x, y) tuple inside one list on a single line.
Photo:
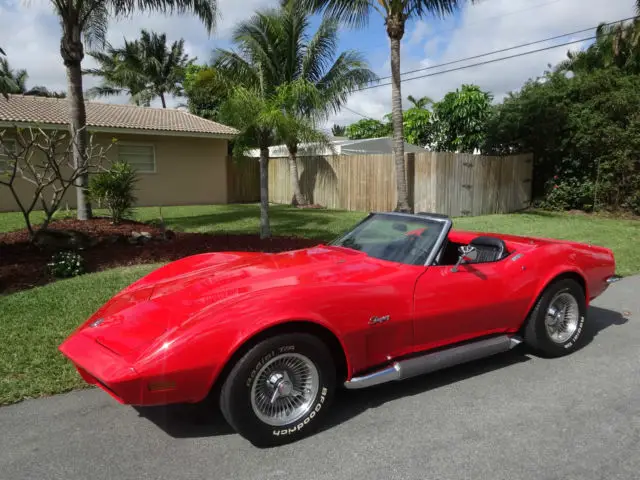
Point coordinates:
[(431, 362)]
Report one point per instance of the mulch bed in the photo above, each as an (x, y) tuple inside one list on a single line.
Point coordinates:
[(23, 265)]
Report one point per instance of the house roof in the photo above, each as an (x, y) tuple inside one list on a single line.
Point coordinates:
[(21, 109)]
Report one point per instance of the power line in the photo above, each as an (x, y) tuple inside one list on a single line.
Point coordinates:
[(515, 47), (486, 62), (357, 113)]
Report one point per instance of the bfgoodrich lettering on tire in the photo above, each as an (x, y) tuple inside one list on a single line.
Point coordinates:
[(556, 325), (280, 390)]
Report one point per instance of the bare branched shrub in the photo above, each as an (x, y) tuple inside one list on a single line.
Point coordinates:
[(44, 159)]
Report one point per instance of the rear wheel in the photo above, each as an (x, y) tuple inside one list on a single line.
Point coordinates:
[(556, 324), (280, 390)]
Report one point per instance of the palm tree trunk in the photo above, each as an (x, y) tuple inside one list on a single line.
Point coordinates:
[(395, 29), (298, 197), (265, 229), (72, 52), (164, 104)]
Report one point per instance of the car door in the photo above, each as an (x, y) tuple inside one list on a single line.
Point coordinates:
[(455, 306)]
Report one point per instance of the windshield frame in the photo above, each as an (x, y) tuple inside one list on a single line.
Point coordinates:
[(428, 219)]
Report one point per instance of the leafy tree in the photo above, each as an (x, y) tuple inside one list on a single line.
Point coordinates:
[(368, 128), (395, 14), (422, 102), (146, 68), (418, 127), (15, 81), (205, 91), (278, 41), (461, 118), (584, 133), (86, 22), (338, 130)]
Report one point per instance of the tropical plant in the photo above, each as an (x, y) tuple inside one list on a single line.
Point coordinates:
[(395, 14), (85, 22), (422, 102), (14, 81), (460, 119), (616, 45), (146, 68), (338, 130), (260, 114), (114, 189), (278, 41), (368, 128), (6, 84)]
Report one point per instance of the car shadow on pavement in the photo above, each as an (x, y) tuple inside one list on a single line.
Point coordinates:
[(205, 419)]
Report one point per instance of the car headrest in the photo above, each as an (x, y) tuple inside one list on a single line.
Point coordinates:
[(490, 249)]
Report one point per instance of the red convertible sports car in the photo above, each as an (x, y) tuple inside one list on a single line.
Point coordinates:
[(271, 336)]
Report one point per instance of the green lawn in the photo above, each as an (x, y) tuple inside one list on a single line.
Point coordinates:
[(240, 219), (34, 322)]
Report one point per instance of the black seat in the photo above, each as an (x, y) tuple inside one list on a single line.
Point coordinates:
[(490, 249)]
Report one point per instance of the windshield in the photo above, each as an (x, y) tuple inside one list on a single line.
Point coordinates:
[(395, 238)]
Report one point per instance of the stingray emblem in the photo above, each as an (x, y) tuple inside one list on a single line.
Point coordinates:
[(374, 320)]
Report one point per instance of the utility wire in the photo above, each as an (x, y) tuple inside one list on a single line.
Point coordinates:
[(515, 47), (486, 62)]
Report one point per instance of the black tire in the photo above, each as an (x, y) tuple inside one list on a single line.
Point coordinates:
[(236, 391), (536, 335)]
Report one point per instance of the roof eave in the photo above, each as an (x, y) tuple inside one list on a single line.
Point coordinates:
[(129, 131)]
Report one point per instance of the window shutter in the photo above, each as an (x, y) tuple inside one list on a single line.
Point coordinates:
[(140, 157)]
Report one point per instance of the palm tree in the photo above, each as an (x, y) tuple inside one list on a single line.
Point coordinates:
[(278, 42), (146, 68), (395, 14), (421, 102), (86, 21), (16, 80)]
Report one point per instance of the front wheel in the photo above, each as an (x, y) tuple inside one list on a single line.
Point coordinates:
[(556, 325), (280, 390)]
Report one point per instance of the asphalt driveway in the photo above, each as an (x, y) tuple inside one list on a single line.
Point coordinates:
[(513, 416)]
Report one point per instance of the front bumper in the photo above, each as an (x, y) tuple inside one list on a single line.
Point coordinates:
[(103, 368), (115, 375)]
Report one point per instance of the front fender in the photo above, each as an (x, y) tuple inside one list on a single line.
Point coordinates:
[(208, 341)]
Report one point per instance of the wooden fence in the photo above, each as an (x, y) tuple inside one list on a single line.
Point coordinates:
[(448, 183)]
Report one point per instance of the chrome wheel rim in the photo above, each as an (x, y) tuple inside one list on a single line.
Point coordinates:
[(562, 317), (284, 389)]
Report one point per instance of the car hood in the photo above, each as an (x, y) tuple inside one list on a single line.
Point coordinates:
[(171, 295)]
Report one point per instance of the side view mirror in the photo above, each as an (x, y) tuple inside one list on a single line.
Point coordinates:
[(468, 253)]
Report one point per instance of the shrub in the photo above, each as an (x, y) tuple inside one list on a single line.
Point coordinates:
[(571, 194), (66, 264), (113, 189)]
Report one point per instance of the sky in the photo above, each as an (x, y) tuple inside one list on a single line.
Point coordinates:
[(29, 34)]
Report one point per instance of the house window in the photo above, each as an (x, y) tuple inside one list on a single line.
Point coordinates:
[(139, 156), (4, 158)]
